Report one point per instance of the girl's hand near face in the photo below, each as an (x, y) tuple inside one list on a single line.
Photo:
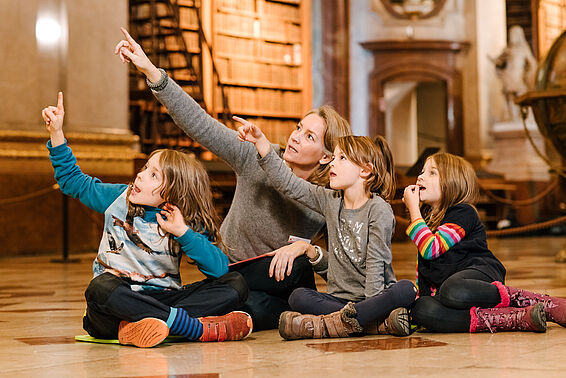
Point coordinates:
[(411, 199), (53, 117), (249, 132), (171, 220), (128, 50)]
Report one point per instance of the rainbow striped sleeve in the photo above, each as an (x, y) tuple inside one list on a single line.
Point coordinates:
[(432, 246)]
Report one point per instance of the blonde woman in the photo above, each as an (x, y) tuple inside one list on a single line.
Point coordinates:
[(260, 220), (136, 294)]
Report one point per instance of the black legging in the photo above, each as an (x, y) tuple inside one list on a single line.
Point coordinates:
[(449, 309), (110, 300), (377, 308)]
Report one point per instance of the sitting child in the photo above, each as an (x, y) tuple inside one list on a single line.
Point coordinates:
[(461, 283), (362, 290), (136, 293)]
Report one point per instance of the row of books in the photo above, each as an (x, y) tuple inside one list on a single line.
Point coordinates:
[(289, 9), (262, 101), (187, 16), (248, 26), (249, 72), (280, 53)]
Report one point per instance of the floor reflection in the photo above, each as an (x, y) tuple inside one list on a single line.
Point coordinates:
[(390, 343)]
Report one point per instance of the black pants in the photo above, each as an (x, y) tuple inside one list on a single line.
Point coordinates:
[(449, 309), (110, 300), (377, 308), (267, 298)]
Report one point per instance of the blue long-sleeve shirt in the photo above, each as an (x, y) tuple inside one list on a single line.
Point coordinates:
[(152, 268)]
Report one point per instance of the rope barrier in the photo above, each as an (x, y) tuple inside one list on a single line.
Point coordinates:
[(400, 220), (25, 197), (509, 231), (527, 228), (524, 202)]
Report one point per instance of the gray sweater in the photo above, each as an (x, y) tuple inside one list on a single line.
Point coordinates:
[(260, 219), (359, 240)]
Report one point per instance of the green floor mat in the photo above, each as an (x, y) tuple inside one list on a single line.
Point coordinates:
[(90, 339)]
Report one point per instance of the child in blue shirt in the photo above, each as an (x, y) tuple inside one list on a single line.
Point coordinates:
[(136, 294)]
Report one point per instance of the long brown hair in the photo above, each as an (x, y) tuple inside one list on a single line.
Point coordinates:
[(458, 184), (335, 126), (187, 186), (374, 155)]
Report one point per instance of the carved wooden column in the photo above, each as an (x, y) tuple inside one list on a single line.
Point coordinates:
[(336, 54), (418, 60)]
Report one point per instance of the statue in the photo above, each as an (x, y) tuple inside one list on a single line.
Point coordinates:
[(516, 67)]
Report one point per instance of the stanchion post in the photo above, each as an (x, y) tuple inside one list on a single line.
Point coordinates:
[(65, 232)]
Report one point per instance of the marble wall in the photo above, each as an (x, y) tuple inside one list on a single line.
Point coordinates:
[(480, 23), (95, 83)]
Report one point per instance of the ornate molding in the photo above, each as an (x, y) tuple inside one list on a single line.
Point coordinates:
[(411, 10)]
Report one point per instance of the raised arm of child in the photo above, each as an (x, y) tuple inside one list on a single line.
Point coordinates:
[(280, 175), (73, 182), (249, 132)]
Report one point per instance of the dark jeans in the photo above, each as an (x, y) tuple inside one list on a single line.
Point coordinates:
[(449, 309), (267, 298), (110, 300), (377, 308)]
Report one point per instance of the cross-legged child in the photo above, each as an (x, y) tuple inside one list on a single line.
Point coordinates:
[(136, 293), (460, 281), (362, 290)]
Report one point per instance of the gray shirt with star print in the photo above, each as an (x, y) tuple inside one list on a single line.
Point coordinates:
[(359, 240)]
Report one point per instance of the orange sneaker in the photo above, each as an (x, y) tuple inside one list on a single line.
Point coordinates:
[(145, 333), (235, 325)]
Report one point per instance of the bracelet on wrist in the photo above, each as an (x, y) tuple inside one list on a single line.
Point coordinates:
[(318, 255)]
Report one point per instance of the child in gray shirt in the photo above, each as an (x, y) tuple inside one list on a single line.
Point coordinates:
[(362, 290)]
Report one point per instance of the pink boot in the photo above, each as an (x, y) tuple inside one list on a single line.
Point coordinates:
[(555, 308), (530, 318)]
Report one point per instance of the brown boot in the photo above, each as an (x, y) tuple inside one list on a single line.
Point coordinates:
[(554, 308), (396, 324), (343, 323), (530, 318)]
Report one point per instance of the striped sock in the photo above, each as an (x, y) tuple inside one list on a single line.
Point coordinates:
[(181, 324)]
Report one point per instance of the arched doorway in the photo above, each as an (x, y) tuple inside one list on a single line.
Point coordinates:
[(426, 70)]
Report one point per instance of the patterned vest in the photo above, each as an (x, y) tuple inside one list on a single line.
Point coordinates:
[(134, 250)]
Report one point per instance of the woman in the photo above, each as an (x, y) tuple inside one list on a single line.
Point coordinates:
[(260, 220)]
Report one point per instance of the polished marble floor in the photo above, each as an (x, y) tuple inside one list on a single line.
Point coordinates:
[(41, 306)]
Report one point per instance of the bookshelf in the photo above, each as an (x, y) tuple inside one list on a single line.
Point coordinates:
[(169, 32), (261, 49), (249, 58)]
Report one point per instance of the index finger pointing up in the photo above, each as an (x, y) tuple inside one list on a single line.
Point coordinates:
[(240, 120), (60, 101), (127, 35)]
